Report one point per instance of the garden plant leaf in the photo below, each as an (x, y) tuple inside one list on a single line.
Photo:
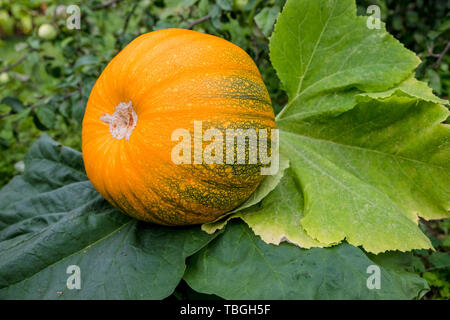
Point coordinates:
[(411, 87), (324, 54), (368, 173), (239, 265)]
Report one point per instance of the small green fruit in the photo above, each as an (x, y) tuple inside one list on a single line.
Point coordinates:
[(240, 4), (47, 32), (6, 22), (4, 78)]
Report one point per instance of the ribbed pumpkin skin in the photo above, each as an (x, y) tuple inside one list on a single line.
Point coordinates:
[(173, 77)]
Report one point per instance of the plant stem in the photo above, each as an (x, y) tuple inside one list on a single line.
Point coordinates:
[(252, 13), (127, 19), (198, 21), (15, 64), (441, 55)]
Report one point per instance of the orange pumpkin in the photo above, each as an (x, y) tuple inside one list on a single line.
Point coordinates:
[(164, 81)]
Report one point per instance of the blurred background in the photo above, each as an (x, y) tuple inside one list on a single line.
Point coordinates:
[(48, 67)]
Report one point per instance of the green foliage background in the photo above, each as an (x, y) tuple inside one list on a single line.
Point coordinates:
[(44, 84)]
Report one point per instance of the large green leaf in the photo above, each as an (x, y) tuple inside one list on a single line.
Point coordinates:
[(411, 87), (324, 54), (239, 265), (364, 138), (368, 173), (52, 218)]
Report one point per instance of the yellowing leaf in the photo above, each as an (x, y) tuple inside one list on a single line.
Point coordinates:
[(369, 172), (364, 138)]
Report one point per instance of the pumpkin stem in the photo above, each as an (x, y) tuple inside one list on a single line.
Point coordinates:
[(122, 121)]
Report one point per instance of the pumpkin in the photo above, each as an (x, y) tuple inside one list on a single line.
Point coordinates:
[(161, 82)]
